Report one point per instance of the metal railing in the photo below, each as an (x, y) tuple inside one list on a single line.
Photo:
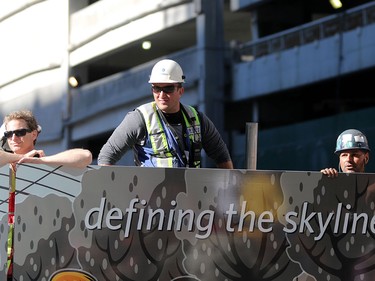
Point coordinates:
[(317, 30)]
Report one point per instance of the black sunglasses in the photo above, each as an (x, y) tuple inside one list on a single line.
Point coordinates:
[(18, 133), (166, 89)]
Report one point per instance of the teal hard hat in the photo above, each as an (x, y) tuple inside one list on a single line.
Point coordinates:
[(351, 139)]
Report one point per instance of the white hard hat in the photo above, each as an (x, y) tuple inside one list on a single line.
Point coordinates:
[(167, 71)]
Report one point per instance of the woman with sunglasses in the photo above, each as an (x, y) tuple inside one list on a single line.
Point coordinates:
[(20, 136), (19, 139), (164, 132)]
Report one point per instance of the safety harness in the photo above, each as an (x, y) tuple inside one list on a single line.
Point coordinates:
[(168, 150)]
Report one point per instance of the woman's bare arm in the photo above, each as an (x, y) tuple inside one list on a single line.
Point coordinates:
[(75, 158)]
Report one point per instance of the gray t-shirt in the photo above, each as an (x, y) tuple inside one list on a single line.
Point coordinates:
[(132, 130)]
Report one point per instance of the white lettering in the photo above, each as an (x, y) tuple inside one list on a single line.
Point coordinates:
[(203, 221)]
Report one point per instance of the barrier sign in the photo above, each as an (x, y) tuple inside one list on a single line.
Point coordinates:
[(132, 223)]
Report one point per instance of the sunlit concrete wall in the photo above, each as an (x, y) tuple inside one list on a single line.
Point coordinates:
[(107, 25), (33, 56)]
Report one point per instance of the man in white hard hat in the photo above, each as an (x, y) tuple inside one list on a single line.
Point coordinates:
[(164, 132), (353, 151)]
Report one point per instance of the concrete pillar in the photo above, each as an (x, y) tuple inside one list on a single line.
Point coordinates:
[(210, 45)]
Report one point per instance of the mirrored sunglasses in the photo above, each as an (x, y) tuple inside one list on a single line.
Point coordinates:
[(18, 133), (166, 89)]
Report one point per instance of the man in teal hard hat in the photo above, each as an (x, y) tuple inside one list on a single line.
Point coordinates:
[(353, 151)]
